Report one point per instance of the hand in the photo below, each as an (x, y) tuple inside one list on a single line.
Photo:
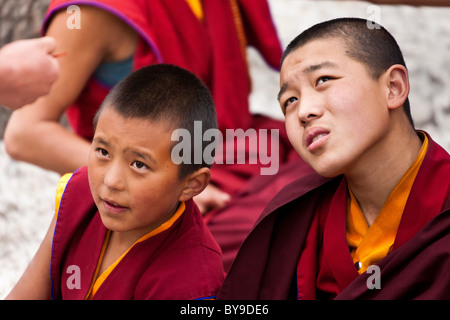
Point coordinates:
[(211, 198), (27, 71)]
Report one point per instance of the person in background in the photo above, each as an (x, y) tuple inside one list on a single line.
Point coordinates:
[(209, 38)]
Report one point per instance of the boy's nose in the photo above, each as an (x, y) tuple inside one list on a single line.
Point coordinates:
[(310, 109), (114, 177)]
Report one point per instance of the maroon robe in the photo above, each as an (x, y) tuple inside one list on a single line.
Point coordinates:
[(278, 247), (231, 225), (182, 262)]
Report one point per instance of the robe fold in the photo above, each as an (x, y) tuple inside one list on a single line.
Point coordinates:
[(282, 241), (183, 262)]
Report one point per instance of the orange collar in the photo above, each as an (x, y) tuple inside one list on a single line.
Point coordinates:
[(367, 244), (196, 7)]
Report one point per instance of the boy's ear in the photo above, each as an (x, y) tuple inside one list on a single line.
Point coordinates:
[(195, 183), (397, 85)]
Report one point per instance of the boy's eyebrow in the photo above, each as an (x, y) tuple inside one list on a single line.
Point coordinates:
[(308, 70), (143, 155), (315, 67), (101, 141)]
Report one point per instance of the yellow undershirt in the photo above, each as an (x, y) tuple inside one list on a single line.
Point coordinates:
[(367, 244), (196, 7), (60, 190)]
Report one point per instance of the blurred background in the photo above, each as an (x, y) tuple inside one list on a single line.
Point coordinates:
[(423, 33)]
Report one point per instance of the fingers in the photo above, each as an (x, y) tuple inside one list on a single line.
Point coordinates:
[(212, 198), (30, 69), (48, 44)]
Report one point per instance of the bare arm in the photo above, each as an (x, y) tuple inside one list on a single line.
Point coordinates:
[(35, 283), (34, 133)]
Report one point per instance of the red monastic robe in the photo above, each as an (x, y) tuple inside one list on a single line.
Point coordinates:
[(183, 262), (298, 249)]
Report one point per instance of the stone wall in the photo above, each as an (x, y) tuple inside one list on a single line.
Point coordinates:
[(20, 19)]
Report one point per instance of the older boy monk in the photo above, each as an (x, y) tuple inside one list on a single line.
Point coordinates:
[(126, 225), (380, 193)]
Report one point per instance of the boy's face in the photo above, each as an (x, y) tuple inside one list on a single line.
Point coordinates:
[(133, 180), (335, 112)]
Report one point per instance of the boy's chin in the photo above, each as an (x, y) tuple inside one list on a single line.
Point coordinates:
[(328, 175), (326, 171)]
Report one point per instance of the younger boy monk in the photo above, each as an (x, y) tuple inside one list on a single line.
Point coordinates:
[(373, 220), (126, 225)]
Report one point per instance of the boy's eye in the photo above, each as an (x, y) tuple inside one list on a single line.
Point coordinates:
[(289, 101), (102, 152), (139, 165), (323, 80)]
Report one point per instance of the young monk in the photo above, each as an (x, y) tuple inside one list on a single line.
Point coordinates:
[(126, 225), (373, 220)]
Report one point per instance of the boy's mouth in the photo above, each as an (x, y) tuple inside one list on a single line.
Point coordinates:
[(113, 207), (315, 138)]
